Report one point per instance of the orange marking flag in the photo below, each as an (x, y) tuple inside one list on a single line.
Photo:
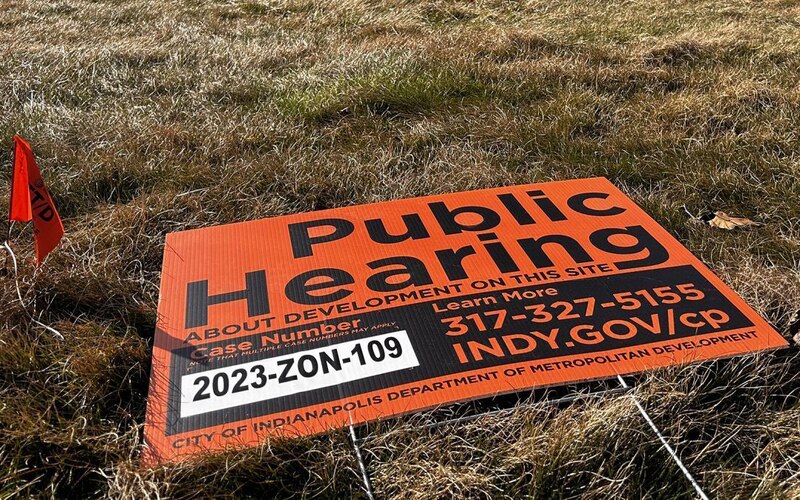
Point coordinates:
[(295, 325), (31, 200)]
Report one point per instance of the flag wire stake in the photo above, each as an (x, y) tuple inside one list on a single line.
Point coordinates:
[(19, 293), (361, 464), (664, 442)]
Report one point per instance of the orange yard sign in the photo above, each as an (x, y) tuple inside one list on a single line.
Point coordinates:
[(294, 325)]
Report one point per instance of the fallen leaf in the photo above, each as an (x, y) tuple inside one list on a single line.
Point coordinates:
[(725, 221)]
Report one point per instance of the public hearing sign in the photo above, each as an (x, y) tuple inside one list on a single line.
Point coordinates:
[(294, 325)]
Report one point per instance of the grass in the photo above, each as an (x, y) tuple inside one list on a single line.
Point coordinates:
[(155, 117)]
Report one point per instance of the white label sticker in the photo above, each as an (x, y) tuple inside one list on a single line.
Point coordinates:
[(303, 371)]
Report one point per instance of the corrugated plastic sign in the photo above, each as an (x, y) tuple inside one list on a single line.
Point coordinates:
[(294, 325)]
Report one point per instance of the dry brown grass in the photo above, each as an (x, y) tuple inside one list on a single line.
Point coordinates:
[(150, 117)]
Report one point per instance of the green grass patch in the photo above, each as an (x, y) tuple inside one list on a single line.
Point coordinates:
[(385, 91)]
